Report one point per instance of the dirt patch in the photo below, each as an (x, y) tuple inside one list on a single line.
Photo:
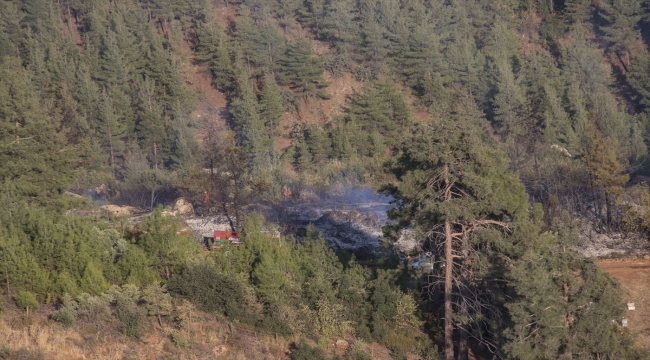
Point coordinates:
[(634, 275), (340, 88), (224, 14)]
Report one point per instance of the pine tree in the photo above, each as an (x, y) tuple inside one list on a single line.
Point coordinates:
[(606, 172), (271, 107), (269, 279), (381, 108), (245, 34), (35, 156), (111, 130), (459, 193), (254, 137), (303, 71), (311, 14), (561, 304), (319, 144), (212, 48)]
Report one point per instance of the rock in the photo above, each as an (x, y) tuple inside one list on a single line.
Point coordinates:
[(71, 194), (101, 190), (220, 350), (342, 345), (646, 257), (119, 210), (168, 213), (183, 207)]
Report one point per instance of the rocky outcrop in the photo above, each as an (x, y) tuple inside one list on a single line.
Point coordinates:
[(182, 207)]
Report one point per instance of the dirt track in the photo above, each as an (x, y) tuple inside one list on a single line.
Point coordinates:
[(634, 275)]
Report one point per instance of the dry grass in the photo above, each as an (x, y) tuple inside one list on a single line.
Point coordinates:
[(207, 338)]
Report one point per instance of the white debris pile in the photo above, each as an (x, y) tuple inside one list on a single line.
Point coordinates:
[(597, 244), (205, 226)]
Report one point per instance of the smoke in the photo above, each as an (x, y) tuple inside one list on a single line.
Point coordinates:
[(349, 218)]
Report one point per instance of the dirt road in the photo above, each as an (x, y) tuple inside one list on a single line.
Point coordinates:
[(634, 275)]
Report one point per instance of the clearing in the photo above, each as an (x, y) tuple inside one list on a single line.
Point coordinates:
[(634, 275)]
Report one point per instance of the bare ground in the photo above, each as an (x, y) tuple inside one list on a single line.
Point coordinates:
[(634, 275)]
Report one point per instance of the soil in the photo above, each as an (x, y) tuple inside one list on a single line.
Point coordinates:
[(634, 275)]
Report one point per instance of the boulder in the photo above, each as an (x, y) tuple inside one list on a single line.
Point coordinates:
[(342, 345), (183, 207), (119, 210)]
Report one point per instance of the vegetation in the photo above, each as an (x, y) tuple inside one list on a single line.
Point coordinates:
[(492, 124)]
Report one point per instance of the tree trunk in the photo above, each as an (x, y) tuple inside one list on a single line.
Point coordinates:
[(449, 263), (567, 316), (463, 344), (153, 193), (155, 156), (4, 252), (609, 204)]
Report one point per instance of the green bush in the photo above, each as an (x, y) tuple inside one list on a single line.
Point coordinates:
[(5, 351), (212, 291), (131, 321), (302, 351), (26, 299), (179, 339), (65, 315), (91, 307)]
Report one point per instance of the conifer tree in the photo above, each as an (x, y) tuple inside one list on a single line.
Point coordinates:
[(254, 137), (561, 304), (245, 33), (341, 145), (35, 157), (303, 71), (606, 172), (319, 144), (312, 14), (111, 130), (460, 194), (212, 48), (271, 107)]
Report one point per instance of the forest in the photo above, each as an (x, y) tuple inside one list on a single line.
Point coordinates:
[(500, 129)]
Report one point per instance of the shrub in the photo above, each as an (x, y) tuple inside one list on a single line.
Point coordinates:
[(429, 352), (302, 351), (358, 351), (25, 300), (65, 315), (179, 339), (28, 354), (131, 321), (5, 351), (212, 291), (89, 306)]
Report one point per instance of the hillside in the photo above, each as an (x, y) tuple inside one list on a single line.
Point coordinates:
[(423, 179)]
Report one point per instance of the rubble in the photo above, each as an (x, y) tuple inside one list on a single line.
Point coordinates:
[(205, 226), (601, 244), (351, 231)]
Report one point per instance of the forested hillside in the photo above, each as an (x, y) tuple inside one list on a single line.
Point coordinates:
[(500, 128)]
